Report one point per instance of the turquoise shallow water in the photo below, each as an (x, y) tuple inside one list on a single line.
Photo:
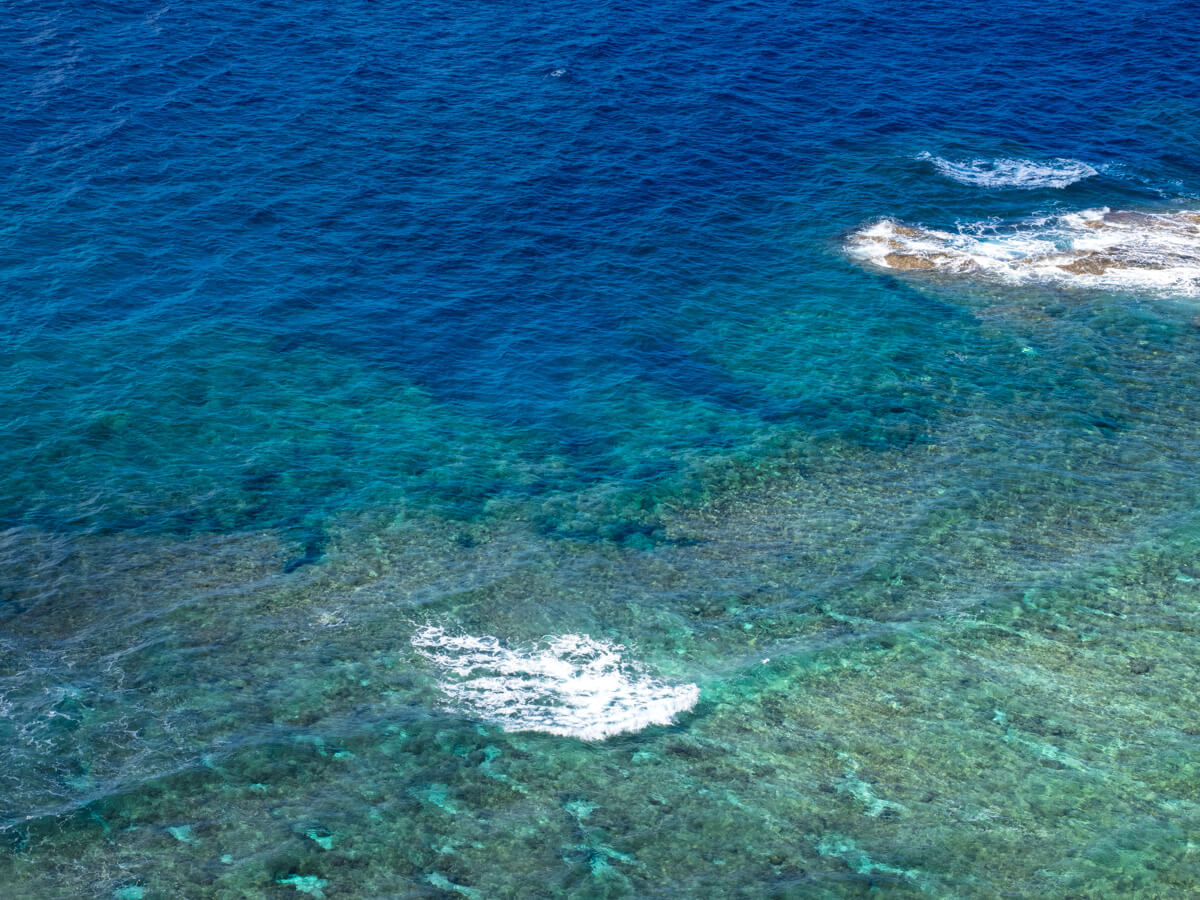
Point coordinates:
[(460, 452)]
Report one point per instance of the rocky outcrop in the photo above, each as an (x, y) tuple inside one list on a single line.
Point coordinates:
[(1126, 249)]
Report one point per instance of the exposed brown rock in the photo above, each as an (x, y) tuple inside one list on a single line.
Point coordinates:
[(908, 262), (1095, 264), (1089, 265), (1155, 241), (1125, 217), (879, 239)]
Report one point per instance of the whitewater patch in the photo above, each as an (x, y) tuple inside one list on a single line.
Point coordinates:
[(1157, 252), (570, 685), (1004, 172)]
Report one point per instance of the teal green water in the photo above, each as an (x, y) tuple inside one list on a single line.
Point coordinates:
[(961, 666)]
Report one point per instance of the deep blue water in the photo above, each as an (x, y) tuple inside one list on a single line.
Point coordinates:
[(531, 320)]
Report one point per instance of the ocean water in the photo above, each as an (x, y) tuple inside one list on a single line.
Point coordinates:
[(600, 450)]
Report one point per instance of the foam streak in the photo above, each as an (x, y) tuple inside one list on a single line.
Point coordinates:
[(1012, 173)]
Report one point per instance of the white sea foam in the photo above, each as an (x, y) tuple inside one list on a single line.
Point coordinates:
[(570, 684), (1157, 252), (1012, 173)]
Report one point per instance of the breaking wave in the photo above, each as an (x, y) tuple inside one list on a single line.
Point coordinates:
[(570, 685), (1012, 173), (1157, 252)]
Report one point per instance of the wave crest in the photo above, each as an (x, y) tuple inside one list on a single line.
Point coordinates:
[(1012, 173)]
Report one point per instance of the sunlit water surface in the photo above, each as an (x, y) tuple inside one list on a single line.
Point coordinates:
[(485, 451)]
